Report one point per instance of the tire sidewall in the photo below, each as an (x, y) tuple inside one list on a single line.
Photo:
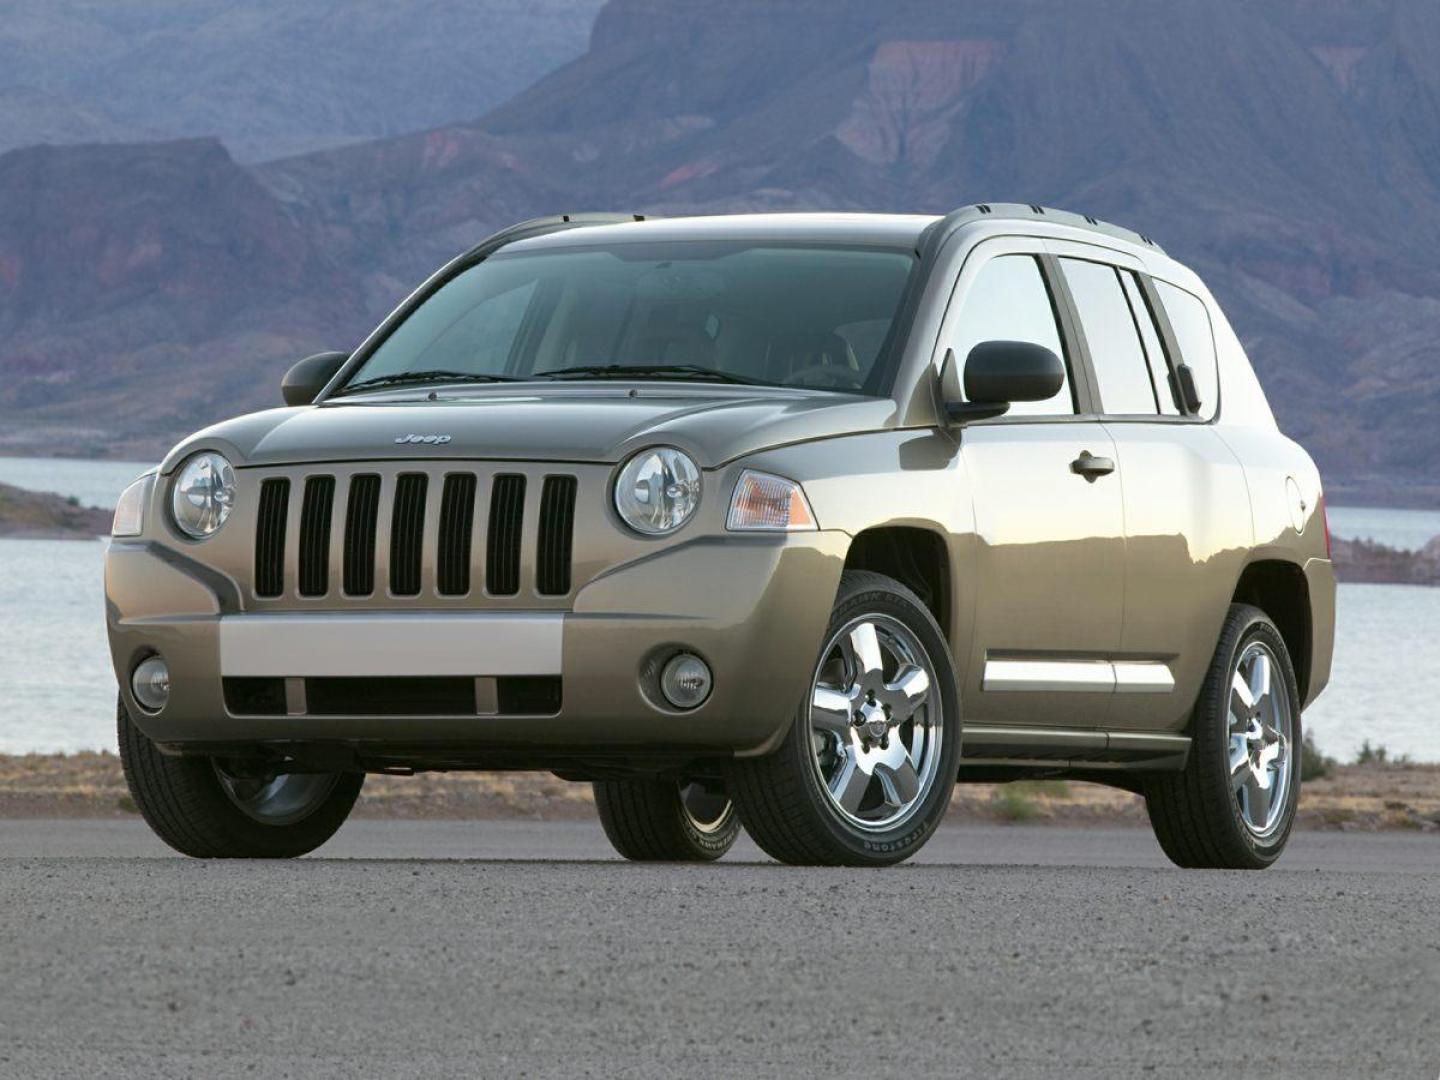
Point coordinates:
[(713, 843), (883, 848)]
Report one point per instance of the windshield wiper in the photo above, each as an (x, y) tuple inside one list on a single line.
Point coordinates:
[(410, 378), (648, 371)]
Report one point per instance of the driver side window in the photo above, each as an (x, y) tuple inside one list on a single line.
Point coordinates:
[(1009, 301)]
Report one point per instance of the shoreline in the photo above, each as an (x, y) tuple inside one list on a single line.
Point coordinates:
[(1362, 798), (33, 515)]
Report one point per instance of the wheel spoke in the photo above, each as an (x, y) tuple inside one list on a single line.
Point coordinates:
[(864, 650), (1242, 703), (849, 785), (1272, 755), (1257, 801), (900, 782), (1239, 766), (830, 710), (908, 692), (1259, 683)]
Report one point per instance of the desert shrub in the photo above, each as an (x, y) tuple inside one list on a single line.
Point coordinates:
[(1372, 755), (1015, 804), (1313, 764)]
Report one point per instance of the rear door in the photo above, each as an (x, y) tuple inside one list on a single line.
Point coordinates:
[(1050, 565), (1182, 488)]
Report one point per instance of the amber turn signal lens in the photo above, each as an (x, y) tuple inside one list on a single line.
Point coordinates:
[(765, 503)]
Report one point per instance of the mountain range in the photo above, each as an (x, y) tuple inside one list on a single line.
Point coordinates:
[(1289, 151), (270, 77)]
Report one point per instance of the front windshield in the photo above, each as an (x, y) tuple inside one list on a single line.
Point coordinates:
[(804, 316)]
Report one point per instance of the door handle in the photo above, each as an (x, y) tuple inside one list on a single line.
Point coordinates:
[(1091, 467)]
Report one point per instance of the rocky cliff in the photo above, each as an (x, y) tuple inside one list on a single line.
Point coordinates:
[(1290, 151)]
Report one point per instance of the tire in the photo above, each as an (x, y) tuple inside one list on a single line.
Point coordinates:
[(785, 799), (1216, 813), (200, 809), (666, 820)]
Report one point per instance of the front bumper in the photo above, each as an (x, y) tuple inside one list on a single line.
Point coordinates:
[(754, 608)]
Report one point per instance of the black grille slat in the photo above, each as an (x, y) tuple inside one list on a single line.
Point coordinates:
[(457, 522), (502, 543), (270, 537), (557, 529), (361, 515), (315, 513), (407, 534)]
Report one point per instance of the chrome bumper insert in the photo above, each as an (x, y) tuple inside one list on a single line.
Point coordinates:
[(391, 644)]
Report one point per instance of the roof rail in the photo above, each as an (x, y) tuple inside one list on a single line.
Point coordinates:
[(542, 225), (1029, 212)]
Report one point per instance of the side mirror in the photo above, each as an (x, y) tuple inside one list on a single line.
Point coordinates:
[(1184, 380), (306, 379), (1000, 373)]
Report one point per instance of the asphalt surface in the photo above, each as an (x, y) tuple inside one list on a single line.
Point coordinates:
[(518, 949)]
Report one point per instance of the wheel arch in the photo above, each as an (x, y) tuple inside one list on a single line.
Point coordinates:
[(915, 556), (1279, 588)]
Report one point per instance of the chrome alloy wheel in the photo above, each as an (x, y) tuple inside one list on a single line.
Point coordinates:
[(706, 811), (277, 798), (875, 722), (1262, 737)]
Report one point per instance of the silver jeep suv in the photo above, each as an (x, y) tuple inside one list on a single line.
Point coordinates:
[(786, 522)]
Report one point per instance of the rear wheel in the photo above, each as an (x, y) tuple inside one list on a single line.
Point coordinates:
[(666, 820), (213, 808), (866, 770), (1234, 804)]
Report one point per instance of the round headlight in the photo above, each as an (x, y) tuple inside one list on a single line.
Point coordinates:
[(658, 490), (203, 494)]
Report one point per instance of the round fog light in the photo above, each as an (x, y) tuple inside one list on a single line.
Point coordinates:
[(151, 683), (686, 680)]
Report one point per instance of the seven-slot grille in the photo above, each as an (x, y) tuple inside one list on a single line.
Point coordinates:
[(379, 517)]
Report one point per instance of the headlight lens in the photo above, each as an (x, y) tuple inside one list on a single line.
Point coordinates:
[(657, 491), (203, 495), (765, 503), (130, 510)]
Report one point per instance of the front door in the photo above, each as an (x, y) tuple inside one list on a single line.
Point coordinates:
[(1049, 521)]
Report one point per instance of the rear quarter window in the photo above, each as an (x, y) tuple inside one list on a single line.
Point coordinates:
[(1191, 322)]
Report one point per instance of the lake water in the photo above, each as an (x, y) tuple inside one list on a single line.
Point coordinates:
[(1409, 529), (94, 483), (59, 692)]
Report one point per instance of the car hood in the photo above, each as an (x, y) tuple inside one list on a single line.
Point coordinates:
[(589, 423)]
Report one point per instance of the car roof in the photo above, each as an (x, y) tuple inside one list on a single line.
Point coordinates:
[(889, 230), (914, 231)]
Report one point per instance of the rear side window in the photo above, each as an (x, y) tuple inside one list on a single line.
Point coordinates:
[(1009, 301), (1114, 340), (1154, 350), (1191, 323)]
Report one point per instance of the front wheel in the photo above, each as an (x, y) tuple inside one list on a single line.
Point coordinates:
[(1234, 804), (212, 808), (666, 820), (867, 767)]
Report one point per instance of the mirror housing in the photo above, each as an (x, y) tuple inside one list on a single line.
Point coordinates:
[(303, 382), (998, 374), (1184, 380)]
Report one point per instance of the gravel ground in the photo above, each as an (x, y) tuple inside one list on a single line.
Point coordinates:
[(424, 948)]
